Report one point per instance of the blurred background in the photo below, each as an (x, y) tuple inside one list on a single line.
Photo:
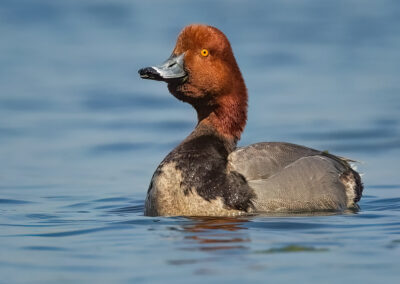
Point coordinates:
[(78, 125)]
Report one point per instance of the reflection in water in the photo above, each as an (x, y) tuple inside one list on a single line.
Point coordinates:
[(210, 223), (228, 233), (211, 234), (292, 248)]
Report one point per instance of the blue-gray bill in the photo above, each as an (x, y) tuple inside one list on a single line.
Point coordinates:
[(171, 69)]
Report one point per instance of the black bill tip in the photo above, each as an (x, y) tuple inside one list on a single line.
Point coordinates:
[(150, 73)]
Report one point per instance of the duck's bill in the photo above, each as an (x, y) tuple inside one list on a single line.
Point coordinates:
[(171, 69)]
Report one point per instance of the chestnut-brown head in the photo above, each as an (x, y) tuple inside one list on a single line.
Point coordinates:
[(203, 72)]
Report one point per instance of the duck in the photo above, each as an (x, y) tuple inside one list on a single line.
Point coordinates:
[(207, 174)]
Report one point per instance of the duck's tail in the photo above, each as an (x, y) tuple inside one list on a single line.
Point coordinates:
[(350, 178), (353, 185)]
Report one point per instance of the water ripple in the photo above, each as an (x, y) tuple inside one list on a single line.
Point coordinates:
[(127, 147), (13, 201), (286, 225), (102, 101), (129, 209), (77, 232), (44, 248)]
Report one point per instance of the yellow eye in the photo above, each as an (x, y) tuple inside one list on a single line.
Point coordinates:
[(204, 52)]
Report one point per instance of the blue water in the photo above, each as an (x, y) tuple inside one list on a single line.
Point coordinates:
[(81, 134)]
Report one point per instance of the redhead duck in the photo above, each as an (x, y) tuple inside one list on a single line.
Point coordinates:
[(207, 175)]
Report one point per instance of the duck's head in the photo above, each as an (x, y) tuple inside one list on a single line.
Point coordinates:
[(202, 71)]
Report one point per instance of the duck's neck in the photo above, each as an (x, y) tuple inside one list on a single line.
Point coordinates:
[(227, 115)]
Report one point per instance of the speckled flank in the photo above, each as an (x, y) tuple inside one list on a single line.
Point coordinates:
[(288, 177), (291, 190), (166, 197)]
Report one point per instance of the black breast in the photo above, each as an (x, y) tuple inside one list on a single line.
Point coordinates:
[(202, 161)]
